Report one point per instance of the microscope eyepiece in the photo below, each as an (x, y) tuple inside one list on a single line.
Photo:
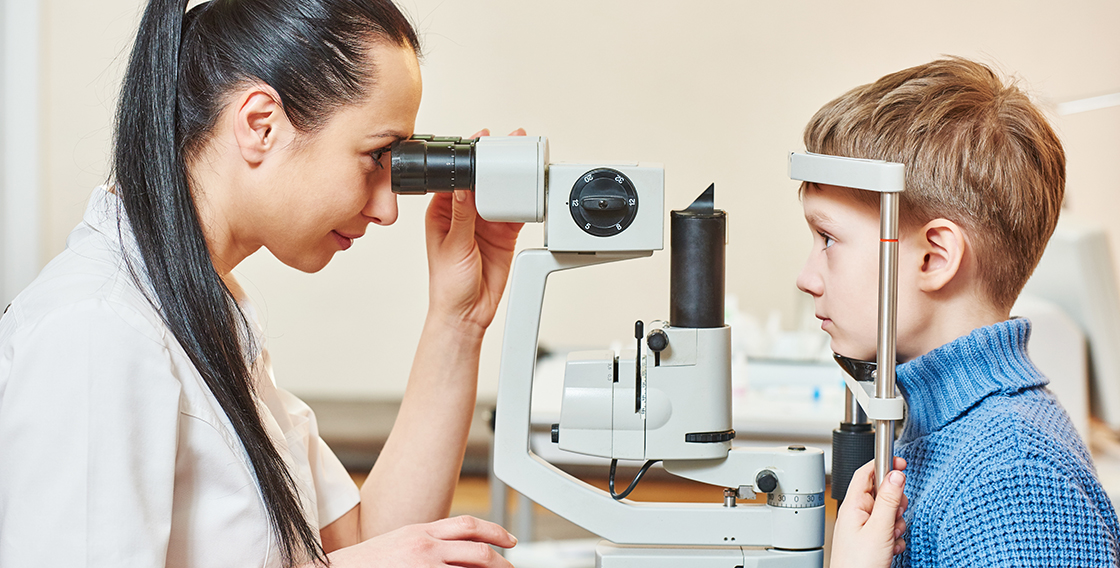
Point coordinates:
[(427, 163)]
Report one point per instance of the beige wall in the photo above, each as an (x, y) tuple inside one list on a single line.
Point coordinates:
[(84, 51), (716, 91)]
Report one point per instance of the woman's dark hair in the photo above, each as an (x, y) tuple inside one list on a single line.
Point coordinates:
[(315, 54)]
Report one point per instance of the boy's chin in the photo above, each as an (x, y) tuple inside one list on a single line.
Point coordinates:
[(851, 351)]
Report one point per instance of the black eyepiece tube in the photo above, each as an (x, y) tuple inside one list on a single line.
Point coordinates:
[(698, 237), (428, 163)]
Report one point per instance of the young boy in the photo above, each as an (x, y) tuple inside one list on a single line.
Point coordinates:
[(996, 474)]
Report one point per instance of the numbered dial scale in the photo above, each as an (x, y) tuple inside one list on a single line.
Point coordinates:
[(603, 202), (795, 500)]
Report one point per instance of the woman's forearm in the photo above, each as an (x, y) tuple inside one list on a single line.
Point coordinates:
[(415, 475)]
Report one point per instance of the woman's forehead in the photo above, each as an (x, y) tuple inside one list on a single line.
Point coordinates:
[(394, 99)]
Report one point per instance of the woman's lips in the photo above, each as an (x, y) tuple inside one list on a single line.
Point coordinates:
[(343, 241)]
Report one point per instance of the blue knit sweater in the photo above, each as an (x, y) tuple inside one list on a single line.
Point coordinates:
[(996, 474)]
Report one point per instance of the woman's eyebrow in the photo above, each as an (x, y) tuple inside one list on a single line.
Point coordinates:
[(389, 134)]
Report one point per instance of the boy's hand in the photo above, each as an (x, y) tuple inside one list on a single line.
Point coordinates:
[(869, 527)]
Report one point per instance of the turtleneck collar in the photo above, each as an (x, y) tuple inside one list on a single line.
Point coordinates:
[(944, 383)]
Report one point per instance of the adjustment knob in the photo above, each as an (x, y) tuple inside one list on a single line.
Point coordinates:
[(765, 481), (657, 340), (603, 202), (555, 433)]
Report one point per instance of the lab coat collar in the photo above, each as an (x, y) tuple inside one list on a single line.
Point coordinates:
[(106, 216)]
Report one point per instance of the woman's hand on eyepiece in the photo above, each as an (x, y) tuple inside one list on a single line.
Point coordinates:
[(468, 258), (458, 541), (869, 526)]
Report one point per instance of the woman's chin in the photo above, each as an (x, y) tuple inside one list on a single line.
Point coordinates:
[(309, 263), (313, 266)]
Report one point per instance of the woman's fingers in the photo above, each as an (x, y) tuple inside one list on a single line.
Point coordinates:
[(862, 481), (472, 554), (462, 216), (869, 526), (472, 529), (888, 500), (458, 541)]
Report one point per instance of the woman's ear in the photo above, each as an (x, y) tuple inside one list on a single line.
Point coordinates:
[(259, 123), (942, 244)]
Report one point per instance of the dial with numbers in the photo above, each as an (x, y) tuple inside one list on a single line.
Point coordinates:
[(795, 500), (603, 202)]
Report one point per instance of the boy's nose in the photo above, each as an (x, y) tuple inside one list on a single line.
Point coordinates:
[(809, 281)]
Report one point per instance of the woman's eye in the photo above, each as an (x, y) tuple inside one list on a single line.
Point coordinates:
[(828, 240), (377, 155)]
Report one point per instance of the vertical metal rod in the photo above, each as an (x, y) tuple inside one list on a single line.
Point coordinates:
[(525, 521), (499, 498), (888, 315), (853, 413)]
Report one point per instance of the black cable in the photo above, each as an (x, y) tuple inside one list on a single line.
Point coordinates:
[(633, 484)]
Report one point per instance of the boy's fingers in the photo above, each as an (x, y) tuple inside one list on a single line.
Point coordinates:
[(887, 501)]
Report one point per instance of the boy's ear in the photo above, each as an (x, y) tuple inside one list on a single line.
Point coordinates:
[(259, 122), (943, 245)]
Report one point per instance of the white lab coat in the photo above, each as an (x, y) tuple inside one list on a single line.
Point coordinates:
[(113, 452)]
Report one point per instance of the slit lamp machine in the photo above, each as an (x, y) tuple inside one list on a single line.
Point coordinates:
[(668, 398)]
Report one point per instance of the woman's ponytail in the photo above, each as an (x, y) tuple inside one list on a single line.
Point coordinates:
[(151, 178)]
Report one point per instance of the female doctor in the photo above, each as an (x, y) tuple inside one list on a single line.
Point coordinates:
[(139, 422)]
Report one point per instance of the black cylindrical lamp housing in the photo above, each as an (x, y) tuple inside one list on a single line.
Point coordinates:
[(698, 237)]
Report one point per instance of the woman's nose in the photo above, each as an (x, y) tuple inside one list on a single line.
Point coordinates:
[(381, 208)]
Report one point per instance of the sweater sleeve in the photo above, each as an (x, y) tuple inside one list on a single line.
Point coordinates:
[(89, 407), (1028, 511)]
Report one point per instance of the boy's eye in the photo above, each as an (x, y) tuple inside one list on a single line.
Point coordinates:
[(828, 240), (377, 155)]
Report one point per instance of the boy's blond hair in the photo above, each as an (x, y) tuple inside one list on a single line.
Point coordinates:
[(977, 152)]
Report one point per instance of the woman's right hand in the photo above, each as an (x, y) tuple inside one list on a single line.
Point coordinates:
[(458, 541), (869, 526)]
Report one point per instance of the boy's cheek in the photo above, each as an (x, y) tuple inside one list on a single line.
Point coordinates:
[(857, 346)]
